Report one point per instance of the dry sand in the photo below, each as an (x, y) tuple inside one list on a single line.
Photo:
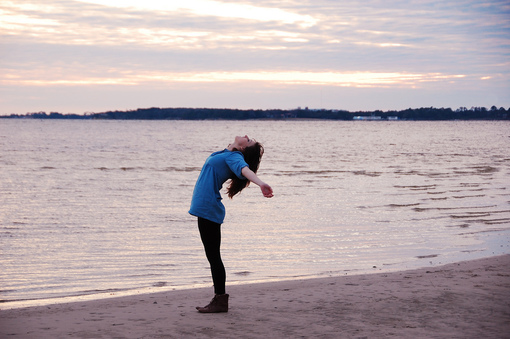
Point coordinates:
[(462, 300)]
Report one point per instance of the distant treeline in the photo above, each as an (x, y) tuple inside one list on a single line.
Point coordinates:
[(155, 113)]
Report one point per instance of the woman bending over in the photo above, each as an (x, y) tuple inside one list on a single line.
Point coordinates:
[(238, 162)]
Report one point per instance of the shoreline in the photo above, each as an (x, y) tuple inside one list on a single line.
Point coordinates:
[(468, 299), (440, 260)]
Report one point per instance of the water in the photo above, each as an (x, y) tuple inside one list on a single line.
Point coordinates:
[(100, 207)]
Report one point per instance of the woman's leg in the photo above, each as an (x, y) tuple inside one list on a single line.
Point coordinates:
[(210, 233)]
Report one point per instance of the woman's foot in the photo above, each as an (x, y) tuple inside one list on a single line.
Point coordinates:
[(218, 304)]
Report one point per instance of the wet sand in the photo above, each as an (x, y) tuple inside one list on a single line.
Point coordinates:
[(463, 300)]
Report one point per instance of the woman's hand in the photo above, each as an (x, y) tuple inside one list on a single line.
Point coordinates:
[(267, 191)]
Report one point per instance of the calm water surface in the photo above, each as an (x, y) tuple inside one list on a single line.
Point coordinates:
[(100, 207)]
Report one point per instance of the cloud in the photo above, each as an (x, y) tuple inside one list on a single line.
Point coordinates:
[(213, 8), (126, 78)]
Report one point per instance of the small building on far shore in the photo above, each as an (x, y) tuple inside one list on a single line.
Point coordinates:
[(366, 117), (373, 117)]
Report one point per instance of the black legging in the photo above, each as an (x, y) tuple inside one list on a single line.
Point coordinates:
[(210, 233)]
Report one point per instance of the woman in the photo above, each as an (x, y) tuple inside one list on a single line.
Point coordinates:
[(238, 162)]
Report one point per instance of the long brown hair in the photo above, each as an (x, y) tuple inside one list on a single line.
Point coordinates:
[(252, 156)]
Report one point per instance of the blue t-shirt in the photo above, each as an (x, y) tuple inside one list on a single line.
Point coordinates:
[(218, 168)]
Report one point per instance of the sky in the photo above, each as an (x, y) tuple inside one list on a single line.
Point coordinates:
[(98, 55)]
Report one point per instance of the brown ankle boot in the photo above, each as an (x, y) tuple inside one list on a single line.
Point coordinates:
[(218, 304)]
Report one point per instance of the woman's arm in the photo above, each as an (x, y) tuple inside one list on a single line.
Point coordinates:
[(267, 191)]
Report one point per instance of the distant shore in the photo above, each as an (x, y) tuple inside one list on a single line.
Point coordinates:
[(462, 300), (156, 113)]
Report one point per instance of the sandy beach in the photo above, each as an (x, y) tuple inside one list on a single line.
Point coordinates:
[(463, 300)]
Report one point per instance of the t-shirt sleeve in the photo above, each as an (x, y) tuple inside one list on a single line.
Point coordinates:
[(236, 163)]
